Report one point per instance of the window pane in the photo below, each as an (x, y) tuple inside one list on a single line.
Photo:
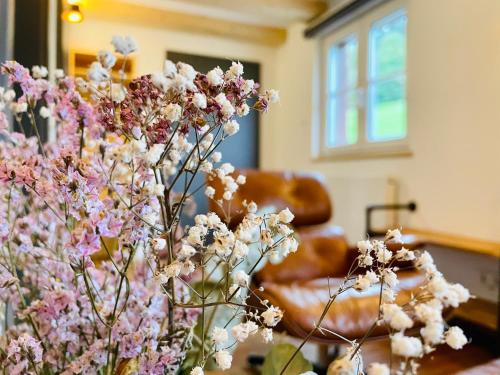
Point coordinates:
[(387, 110), (342, 111), (388, 46), (342, 128), (343, 65)]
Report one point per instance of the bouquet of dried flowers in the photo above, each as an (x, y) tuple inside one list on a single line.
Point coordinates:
[(116, 183), (99, 274)]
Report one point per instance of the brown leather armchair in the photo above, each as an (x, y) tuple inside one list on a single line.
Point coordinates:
[(300, 285)]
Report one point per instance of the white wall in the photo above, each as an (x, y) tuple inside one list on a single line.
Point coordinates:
[(453, 116)]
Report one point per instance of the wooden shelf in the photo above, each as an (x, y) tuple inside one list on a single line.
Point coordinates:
[(463, 243)]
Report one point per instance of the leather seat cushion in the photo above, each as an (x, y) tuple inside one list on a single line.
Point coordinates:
[(351, 315)]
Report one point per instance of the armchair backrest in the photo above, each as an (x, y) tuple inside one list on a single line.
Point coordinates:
[(303, 193)]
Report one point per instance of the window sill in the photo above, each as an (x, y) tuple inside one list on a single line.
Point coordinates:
[(375, 151)]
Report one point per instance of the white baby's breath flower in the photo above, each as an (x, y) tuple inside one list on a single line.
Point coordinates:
[(173, 112), (227, 109), (365, 260), (201, 219), (9, 95), (405, 254), (223, 359), (231, 127), (137, 132), (158, 243), (405, 346), (252, 207), (394, 235), (247, 86), (388, 295), (215, 77), (206, 166), (432, 333), (200, 100), (425, 262), (106, 58), (272, 96), (241, 180), (160, 81), (45, 112), (240, 332), (272, 316), (286, 216), (124, 45), (216, 157), (396, 317), (219, 335), (241, 278), (266, 334), (59, 73), (363, 282), (97, 73), (235, 70), (39, 71), (154, 154), (455, 338), (243, 110), (252, 328), (430, 311), (240, 249), (345, 365), (458, 294), (186, 251), (17, 107), (169, 68), (225, 169), (383, 254), (390, 278), (197, 371), (213, 221), (186, 71), (376, 368), (364, 247), (173, 269), (158, 189), (138, 146), (187, 267), (195, 236), (293, 244), (118, 92)]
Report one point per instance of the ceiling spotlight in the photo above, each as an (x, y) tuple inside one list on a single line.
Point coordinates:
[(73, 14)]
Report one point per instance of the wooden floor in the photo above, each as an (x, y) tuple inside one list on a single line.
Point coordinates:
[(444, 361)]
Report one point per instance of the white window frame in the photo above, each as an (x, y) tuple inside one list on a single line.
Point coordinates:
[(359, 28)]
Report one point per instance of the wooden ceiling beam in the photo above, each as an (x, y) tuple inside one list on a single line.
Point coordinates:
[(282, 10), (117, 11)]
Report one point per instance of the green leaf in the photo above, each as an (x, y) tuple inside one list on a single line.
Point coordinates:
[(277, 358)]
